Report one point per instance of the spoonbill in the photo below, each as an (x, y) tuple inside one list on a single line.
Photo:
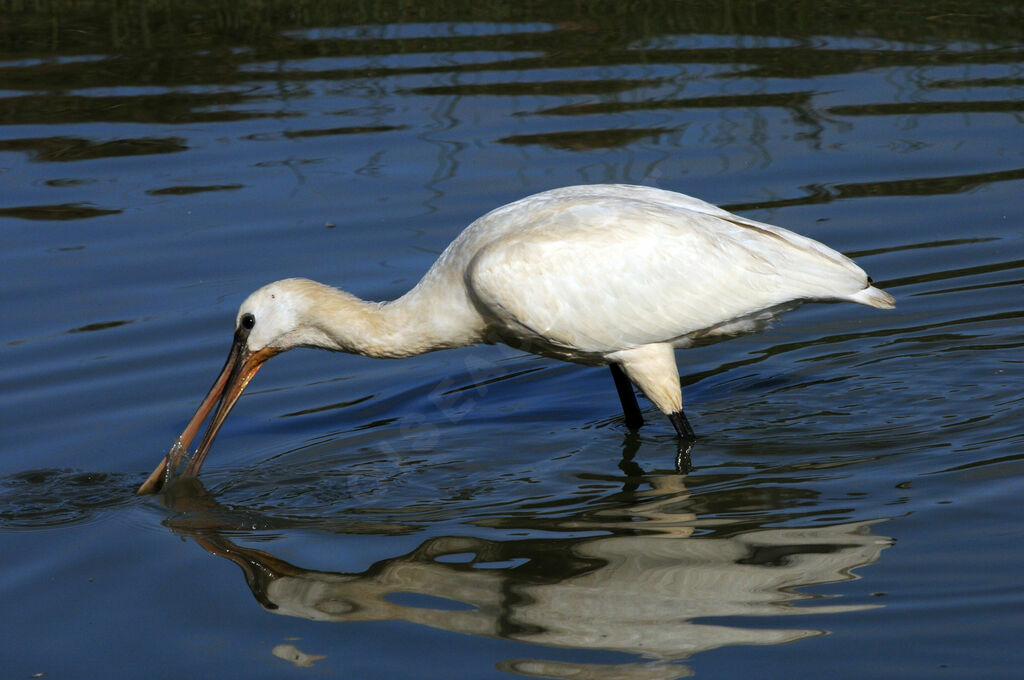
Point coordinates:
[(603, 274)]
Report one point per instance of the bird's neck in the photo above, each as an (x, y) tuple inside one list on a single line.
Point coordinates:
[(427, 318)]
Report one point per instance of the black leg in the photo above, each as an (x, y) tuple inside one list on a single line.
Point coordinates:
[(628, 398), (682, 425)]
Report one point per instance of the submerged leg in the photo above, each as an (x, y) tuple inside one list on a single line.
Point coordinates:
[(683, 463), (630, 408), (686, 439)]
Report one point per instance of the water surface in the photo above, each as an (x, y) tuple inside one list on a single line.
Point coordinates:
[(856, 499)]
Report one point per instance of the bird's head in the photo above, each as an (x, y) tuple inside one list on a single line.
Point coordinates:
[(275, 317), (270, 321)]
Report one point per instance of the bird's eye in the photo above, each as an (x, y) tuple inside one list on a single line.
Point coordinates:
[(248, 321)]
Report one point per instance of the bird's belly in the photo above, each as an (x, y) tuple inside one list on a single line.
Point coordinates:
[(551, 344), (755, 322), (535, 343)]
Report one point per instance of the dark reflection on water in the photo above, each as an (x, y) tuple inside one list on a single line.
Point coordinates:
[(184, 190), (158, 161), (63, 211), (581, 140), (925, 186), (67, 149)]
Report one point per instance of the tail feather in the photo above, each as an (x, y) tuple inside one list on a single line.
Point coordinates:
[(874, 297)]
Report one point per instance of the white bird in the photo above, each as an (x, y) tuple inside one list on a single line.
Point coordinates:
[(613, 275)]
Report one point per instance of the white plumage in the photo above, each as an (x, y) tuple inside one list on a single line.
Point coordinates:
[(599, 274)]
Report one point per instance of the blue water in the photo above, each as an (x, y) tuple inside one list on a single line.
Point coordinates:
[(855, 505)]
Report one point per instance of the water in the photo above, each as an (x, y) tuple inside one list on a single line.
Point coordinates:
[(856, 500)]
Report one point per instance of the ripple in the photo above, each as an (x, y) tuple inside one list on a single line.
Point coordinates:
[(586, 140), (45, 498), (57, 212), (67, 149), (414, 30), (184, 190)]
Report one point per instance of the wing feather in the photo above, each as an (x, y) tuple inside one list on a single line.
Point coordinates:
[(594, 274)]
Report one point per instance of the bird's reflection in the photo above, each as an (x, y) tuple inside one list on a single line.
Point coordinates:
[(648, 586)]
